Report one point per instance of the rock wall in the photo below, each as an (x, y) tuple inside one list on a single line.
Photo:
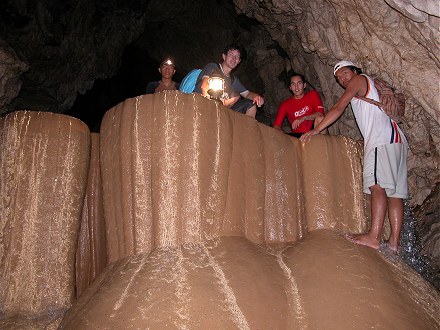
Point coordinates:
[(66, 47)]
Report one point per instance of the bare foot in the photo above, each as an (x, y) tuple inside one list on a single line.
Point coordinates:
[(363, 239), (393, 248)]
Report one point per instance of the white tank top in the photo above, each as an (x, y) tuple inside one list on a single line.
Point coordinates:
[(375, 125)]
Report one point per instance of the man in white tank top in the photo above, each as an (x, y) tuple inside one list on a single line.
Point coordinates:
[(385, 154)]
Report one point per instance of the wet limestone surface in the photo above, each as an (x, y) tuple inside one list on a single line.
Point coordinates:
[(320, 282), (211, 220)]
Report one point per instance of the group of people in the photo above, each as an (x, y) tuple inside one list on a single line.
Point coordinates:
[(236, 96), (385, 145)]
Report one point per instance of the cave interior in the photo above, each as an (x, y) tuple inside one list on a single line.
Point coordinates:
[(82, 57)]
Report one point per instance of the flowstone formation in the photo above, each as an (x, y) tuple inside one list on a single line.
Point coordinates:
[(210, 219)]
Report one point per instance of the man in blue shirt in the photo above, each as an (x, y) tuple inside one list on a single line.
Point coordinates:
[(236, 96)]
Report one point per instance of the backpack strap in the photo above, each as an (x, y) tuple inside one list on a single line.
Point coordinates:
[(371, 101)]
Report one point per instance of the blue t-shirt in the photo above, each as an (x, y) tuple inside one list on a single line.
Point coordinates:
[(232, 86)]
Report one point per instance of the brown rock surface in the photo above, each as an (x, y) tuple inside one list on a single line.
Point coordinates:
[(91, 253), (321, 282), (10, 70), (179, 168), (44, 162), (192, 224)]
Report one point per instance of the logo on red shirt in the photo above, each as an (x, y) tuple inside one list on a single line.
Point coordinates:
[(301, 112)]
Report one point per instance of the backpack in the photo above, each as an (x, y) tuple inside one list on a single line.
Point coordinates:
[(390, 101), (189, 81)]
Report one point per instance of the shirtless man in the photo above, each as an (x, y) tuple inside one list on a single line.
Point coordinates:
[(385, 154)]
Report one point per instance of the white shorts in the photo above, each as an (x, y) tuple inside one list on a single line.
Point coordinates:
[(386, 166)]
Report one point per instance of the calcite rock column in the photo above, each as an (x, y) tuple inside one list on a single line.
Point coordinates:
[(44, 159), (91, 253)]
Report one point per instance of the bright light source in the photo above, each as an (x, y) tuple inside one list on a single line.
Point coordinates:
[(216, 86), (167, 62)]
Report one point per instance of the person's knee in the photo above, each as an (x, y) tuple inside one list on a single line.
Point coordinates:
[(377, 189)]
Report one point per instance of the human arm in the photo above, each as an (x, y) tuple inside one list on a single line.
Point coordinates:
[(229, 102), (356, 86), (202, 85), (256, 98), (205, 86), (299, 121), (281, 114), (151, 87)]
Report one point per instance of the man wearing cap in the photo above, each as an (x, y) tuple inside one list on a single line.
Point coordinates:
[(237, 97), (385, 154), (166, 69)]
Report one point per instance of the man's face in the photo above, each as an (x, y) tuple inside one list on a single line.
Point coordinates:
[(167, 71), (344, 75), (297, 86), (232, 58)]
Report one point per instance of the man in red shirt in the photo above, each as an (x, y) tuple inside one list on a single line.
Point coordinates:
[(303, 110)]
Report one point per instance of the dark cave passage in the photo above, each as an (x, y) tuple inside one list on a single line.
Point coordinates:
[(178, 35), (136, 70)]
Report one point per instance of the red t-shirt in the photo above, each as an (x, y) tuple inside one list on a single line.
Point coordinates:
[(296, 108)]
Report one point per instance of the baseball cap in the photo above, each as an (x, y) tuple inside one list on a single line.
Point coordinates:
[(342, 64)]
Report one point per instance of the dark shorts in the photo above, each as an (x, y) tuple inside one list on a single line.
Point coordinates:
[(242, 105), (297, 135)]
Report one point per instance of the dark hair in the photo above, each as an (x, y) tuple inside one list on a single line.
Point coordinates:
[(291, 74), (165, 59), (235, 46), (355, 69)]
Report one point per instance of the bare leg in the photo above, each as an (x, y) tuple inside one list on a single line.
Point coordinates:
[(395, 213), (378, 211), (252, 111)]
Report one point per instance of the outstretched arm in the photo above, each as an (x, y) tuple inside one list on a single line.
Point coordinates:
[(356, 86), (299, 121), (256, 98)]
